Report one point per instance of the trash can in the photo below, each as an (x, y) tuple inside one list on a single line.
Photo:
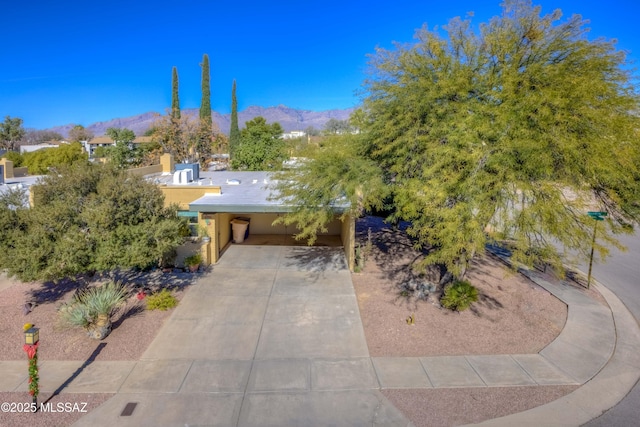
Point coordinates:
[(248, 220), (239, 228)]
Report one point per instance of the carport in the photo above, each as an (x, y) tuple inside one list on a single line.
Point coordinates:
[(246, 195)]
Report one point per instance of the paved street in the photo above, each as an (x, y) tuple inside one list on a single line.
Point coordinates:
[(621, 274)]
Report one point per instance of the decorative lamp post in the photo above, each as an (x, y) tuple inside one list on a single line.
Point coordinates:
[(597, 216), (32, 335), (31, 341)]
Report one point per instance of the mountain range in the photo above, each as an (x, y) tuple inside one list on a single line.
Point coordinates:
[(289, 118)]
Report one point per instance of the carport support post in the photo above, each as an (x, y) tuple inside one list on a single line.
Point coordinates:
[(209, 225), (347, 235)]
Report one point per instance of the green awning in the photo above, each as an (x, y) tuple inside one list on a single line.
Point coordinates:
[(189, 214)]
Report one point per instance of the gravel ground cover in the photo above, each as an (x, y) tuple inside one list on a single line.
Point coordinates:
[(134, 328), (513, 315)]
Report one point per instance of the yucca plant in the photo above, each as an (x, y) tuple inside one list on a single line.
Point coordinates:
[(73, 314), (459, 295), (92, 308), (104, 299)]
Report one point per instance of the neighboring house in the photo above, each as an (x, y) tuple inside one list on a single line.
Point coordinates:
[(294, 134), (104, 141), (14, 178), (35, 147), (9, 173)]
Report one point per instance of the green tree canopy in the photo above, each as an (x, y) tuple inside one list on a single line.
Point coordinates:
[(87, 217), (261, 146), (205, 139), (122, 155), (15, 157), (40, 161), (511, 131), (11, 131), (338, 176), (122, 135)]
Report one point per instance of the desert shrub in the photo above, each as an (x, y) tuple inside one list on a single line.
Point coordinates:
[(15, 157), (92, 308), (459, 295), (85, 218), (162, 301)]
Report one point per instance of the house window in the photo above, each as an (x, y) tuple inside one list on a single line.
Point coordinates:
[(193, 221)]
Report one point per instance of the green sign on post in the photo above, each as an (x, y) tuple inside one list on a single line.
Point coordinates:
[(598, 216)]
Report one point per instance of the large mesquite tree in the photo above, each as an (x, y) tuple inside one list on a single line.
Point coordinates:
[(510, 131)]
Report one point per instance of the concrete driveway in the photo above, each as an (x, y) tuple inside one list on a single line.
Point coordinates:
[(272, 337)]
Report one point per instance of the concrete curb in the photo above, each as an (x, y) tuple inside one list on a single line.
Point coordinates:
[(608, 387)]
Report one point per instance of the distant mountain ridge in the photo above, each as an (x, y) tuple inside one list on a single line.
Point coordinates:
[(289, 118)]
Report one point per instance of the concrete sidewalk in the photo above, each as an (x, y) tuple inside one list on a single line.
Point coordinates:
[(607, 386), (273, 337)]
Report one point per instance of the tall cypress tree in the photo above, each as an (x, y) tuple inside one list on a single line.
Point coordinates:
[(175, 99), (234, 133), (205, 106)]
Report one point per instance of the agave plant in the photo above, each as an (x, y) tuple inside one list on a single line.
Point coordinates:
[(93, 307)]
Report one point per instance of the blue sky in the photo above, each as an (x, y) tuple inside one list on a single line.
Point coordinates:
[(84, 61)]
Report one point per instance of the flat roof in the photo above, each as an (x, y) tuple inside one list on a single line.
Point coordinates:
[(241, 192), (19, 183)]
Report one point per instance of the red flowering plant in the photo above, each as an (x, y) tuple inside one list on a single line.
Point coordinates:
[(32, 353)]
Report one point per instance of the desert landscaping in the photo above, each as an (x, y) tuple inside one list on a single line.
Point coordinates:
[(511, 316)]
